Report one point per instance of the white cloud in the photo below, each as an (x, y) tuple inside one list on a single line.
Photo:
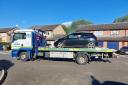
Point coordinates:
[(67, 23), (17, 25)]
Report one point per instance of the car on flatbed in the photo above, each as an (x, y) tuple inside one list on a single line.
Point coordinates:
[(78, 40)]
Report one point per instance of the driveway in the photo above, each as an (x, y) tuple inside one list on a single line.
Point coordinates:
[(49, 72)]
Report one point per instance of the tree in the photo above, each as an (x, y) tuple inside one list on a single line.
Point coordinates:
[(66, 28), (75, 25), (121, 19)]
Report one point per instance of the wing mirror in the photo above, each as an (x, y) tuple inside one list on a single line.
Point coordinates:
[(12, 37)]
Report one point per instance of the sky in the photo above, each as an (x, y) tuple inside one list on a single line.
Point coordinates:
[(26, 13)]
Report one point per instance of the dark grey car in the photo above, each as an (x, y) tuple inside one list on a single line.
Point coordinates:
[(78, 40)]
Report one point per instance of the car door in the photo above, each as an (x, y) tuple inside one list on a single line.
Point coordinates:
[(83, 40), (71, 41)]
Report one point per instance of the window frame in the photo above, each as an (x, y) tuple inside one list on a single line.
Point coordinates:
[(23, 36)]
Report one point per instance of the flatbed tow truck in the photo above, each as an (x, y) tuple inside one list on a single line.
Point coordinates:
[(28, 44)]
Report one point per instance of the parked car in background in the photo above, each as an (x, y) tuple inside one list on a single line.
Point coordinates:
[(82, 40), (123, 50)]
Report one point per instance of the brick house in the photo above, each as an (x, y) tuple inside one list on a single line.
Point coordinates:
[(112, 36), (5, 34), (52, 32)]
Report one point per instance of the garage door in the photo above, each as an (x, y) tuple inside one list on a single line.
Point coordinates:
[(100, 44), (113, 45)]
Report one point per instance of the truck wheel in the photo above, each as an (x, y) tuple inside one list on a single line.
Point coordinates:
[(82, 59), (23, 56)]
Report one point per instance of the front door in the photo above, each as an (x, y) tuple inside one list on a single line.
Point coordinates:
[(71, 41)]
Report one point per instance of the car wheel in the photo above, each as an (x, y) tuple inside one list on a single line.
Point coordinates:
[(91, 45), (122, 53), (60, 45), (126, 52), (23, 56)]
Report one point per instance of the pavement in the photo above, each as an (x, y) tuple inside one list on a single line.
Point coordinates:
[(5, 52), (65, 72)]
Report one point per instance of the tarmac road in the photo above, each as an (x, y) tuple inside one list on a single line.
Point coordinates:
[(47, 72)]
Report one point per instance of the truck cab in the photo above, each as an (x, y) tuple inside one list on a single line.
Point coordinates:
[(27, 41)]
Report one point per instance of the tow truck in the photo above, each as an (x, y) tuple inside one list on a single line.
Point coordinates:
[(28, 44)]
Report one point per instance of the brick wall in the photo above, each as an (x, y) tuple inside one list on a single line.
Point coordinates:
[(59, 31), (115, 33), (4, 37)]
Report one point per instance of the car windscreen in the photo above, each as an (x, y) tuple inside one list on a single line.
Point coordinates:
[(17, 36)]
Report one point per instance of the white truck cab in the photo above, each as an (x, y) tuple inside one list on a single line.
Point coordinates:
[(27, 40), (22, 38)]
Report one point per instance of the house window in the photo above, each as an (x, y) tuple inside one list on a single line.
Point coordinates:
[(98, 33), (47, 33), (114, 32)]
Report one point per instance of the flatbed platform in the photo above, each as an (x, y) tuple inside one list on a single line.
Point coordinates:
[(97, 49)]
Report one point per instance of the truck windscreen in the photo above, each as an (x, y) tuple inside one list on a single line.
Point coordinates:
[(17, 36)]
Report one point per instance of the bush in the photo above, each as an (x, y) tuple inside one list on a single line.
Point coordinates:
[(6, 46)]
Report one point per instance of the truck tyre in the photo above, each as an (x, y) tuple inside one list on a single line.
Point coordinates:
[(82, 59), (23, 56)]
